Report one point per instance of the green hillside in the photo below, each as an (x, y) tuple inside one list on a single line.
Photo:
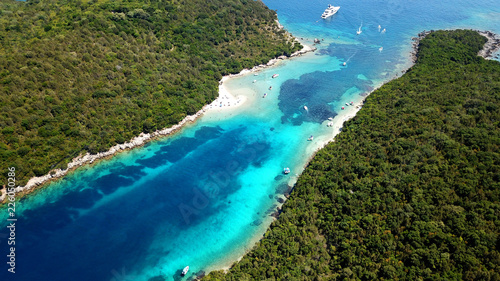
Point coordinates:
[(409, 190), (78, 76)]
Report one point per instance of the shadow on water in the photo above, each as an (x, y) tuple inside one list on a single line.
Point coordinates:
[(309, 98), (295, 94), (179, 148), (182, 196)]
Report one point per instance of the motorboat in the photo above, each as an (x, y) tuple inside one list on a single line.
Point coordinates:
[(275, 75), (265, 94), (344, 64), (330, 11), (185, 270), (310, 138), (286, 170), (305, 108)]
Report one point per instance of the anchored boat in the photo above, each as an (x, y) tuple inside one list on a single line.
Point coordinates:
[(330, 11)]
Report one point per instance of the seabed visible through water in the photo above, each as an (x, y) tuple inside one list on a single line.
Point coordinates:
[(204, 196)]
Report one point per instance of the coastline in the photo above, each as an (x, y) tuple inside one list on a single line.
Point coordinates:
[(489, 48), (335, 131), (225, 99)]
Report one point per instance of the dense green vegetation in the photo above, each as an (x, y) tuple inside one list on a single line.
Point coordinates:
[(409, 189), (79, 76)]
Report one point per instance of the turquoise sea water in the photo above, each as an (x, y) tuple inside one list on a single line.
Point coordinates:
[(204, 196)]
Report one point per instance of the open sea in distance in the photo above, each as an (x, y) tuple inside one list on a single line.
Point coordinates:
[(204, 196)]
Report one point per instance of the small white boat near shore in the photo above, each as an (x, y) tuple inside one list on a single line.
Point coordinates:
[(275, 75), (185, 270)]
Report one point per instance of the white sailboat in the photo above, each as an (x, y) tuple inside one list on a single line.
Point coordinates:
[(359, 30)]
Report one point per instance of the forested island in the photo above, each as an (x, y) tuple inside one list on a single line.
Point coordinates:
[(82, 76), (410, 188)]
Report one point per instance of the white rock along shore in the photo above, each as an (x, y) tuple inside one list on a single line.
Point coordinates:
[(490, 47), (137, 141)]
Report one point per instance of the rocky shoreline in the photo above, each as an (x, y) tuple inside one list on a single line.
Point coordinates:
[(416, 43), (142, 139), (489, 48)]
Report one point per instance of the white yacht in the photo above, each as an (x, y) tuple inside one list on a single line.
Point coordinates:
[(330, 11)]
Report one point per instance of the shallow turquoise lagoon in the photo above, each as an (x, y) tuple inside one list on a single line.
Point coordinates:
[(204, 196)]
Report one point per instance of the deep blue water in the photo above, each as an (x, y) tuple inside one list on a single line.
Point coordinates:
[(203, 196)]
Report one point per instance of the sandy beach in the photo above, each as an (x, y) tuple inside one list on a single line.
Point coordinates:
[(225, 101)]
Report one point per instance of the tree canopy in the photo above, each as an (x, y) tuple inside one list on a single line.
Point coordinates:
[(82, 76), (409, 190)]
